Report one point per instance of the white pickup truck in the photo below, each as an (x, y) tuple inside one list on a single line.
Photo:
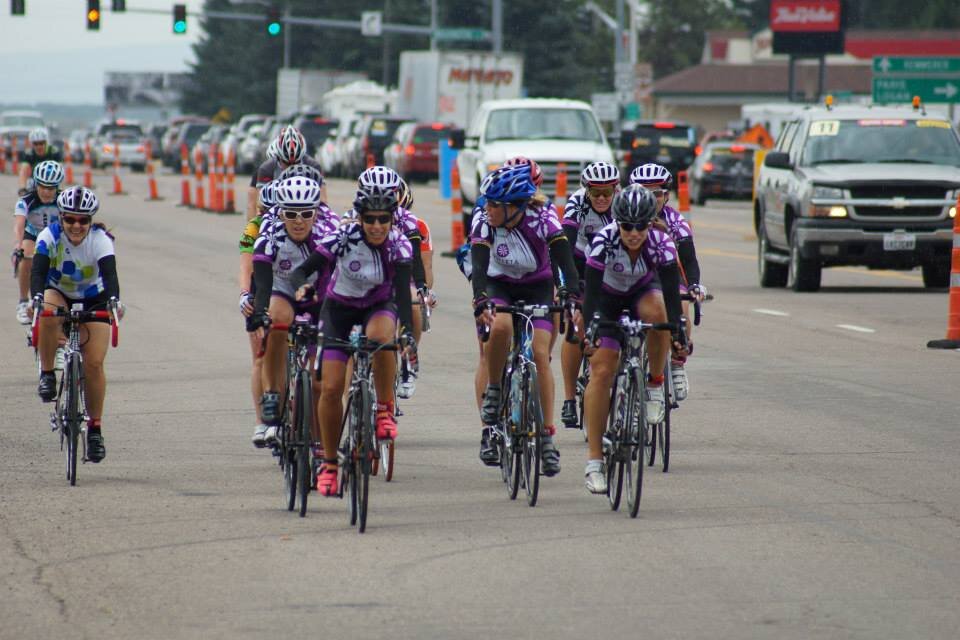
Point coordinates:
[(546, 130)]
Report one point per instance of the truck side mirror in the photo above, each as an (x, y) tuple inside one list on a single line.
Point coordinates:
[(777, 160), (456, 138), (626, 140)]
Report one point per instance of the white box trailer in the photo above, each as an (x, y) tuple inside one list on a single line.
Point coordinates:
[(298, 88), (449, 86)]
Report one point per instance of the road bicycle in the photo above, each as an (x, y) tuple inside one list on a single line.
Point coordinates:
[(626, 435), (658, 439), (294, 431), (360, 449), (518, 434), (69, 415)]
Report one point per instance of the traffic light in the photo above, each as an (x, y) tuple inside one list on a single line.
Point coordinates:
[(93, 15), (119, 5), (18, 7), (180, 18), (273, 22)]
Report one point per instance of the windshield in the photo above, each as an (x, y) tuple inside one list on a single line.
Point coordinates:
[(881, 140), (316, 130), (542, 124), (124, 131), (654, 136), (727, 158), (21, 120)]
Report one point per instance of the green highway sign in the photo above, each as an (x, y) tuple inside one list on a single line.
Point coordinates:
[(462, 34), (916, 66), (901, 90)]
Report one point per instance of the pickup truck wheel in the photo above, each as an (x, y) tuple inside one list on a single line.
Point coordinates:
[(772, 274), (936, 275), (804, 273)]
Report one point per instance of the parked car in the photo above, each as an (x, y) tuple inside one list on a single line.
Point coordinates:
[(119, 138), (17, 125), (188, 133), (315, 129), (857, 185), (350, 149), (325, 152), (723, 169), (213, 135), (375, 134), (155, 133), (247, 159), (171, 149), (669, 143), (714, 136), (78, 140), (414, 151)]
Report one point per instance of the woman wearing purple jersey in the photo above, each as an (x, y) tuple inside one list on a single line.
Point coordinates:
[(586, 212), (515, 240), (370, 286), (282, 245), (631, 266), (657, 179)]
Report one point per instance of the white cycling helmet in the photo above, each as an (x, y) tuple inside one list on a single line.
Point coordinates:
[(298, 193), (302, 171), (379, 176), (597, 174), (48, 173), (40, 134), (78, 200), (375, 198), (272, 153), (291, 146), (651, 174), (267, 196), (405, 195)]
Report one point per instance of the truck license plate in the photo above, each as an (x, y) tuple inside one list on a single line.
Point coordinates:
[(899, 242)]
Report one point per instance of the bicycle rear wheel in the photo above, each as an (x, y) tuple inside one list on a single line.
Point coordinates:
[(636, 431), (582, 381), (304, 424), (532, 441), (663, 430)]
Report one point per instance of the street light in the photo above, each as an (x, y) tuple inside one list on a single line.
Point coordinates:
[(273, 21), (179, 18), (93, 15)]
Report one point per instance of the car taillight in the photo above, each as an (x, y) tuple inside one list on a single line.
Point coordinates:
[(140, 148), (697, 150), (708, 167), (107, 148), (410, 150), (627, 157), (664, 125)]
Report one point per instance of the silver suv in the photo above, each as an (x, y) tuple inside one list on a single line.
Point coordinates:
[(857, 185)]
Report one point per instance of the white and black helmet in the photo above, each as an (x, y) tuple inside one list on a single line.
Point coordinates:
[(40, 134), (302, 171), (48, 173), (376, 198), (291, 146), (298, 193), (635, 204), (379, 176), (267, 195), (651, 173), (405, 195), (78, 200), (598, 174)]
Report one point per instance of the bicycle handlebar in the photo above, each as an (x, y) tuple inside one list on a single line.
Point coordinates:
[(364, 344), (697, 313), (537, 311), (76, 316)]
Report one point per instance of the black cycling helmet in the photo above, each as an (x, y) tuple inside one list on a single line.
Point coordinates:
[(634, 204), (376, 198)]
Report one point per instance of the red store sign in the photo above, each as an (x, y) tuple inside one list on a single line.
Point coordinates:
[(805, 15)]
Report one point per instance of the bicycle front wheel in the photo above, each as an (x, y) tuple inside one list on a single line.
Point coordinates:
[(303, 406), (663, 429), (532, 435), (613, 450), (363, 461), (73, 415), (636, 430)]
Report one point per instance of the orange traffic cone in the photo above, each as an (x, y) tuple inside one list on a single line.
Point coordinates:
[(952, 340), (683, 192)]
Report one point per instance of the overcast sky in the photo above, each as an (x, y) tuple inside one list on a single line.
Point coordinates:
[(49, 56)]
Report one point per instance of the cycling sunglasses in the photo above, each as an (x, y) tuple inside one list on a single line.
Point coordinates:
[(634, 226), (293, 214), (600, 192), (71, 220), (383, 219)]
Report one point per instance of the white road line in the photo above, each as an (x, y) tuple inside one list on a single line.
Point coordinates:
[(853, 327), (772, 312)]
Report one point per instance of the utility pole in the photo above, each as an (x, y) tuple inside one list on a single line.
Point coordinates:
[(286, 37), (497, 26), (385, 77), (433, 25)]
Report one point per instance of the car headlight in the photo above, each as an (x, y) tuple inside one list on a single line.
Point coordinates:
[(827, 192)]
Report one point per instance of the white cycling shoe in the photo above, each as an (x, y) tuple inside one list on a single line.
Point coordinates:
[(681, 385), (654, 405), (23, 315), (595, 477)]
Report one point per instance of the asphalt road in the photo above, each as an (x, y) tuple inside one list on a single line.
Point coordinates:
[(813, 491)]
